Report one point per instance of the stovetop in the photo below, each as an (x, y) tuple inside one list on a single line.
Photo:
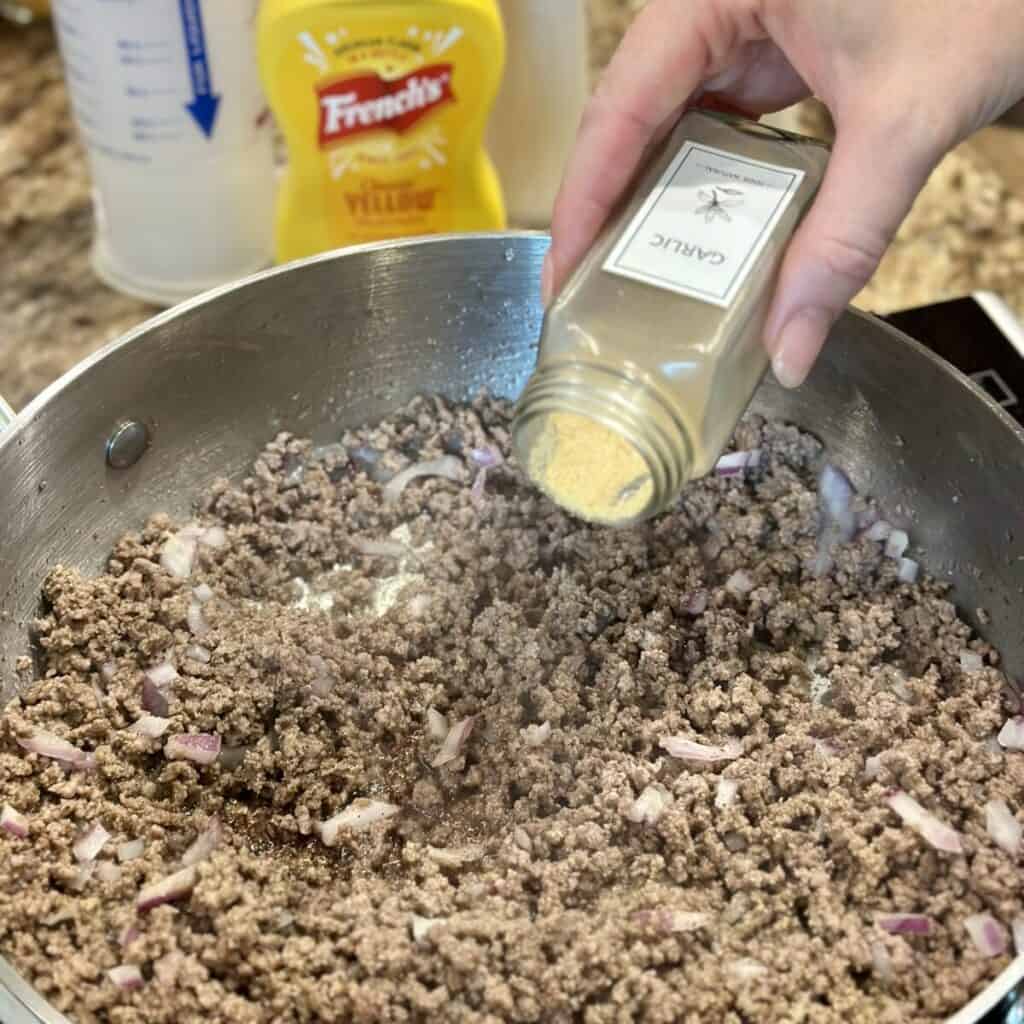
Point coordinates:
[(981, 337)]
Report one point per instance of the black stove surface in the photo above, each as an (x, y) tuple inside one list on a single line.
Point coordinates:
[(963, 333)]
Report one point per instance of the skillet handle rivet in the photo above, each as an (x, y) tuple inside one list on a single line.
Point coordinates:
[(127, 444)]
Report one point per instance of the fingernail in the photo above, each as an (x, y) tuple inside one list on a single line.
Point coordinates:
[(784, 373), (547, 276), (798, 345)]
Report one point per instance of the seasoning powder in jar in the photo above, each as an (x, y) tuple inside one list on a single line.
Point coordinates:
[(594, 472), (653, 349)]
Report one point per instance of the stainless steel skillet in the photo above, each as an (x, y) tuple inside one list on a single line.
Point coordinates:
[(151, 420)]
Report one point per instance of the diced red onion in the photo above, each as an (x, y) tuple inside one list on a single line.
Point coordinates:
[(747, 969), (130, 850), (987, 934), (89, 843), (937, 833), (214, 537), (1011, 736), (203, 593), (905, 924), (650, 805), (151, 726), (487, 457), (537, 735), (873, 766), (454, 742), (970, 661), (45, 744), (162, 675), (447, 466), (665, 919), (1018, 935), (455, 856), (725, 795), (107, 670), (14, 822), (685, 920), (107, 871), (837, 520), (881, 961), (167, 889), (129, 935), (825, 748), (379, 548), (59, 916), (83, 875), (126, 976), (735, 463), (690, 750), (437, 724), (897, 544), (203, 845), (321, 685), (178, 555), (359, 815), (420, 926), (908, 570), (878, 531), (740, 583), (1003, 827), (696, 603), (196, 653), (197, 623), (477, 493), (154, 700), (200, 747)]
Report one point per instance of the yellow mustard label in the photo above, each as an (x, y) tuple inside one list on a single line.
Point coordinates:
[(383, 108)]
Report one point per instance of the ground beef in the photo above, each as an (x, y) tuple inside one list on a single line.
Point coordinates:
[(513, 884)]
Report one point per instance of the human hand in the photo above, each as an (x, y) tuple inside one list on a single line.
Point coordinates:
[(904, 83)]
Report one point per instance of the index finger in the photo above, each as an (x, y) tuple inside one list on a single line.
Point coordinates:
[(664, 57)]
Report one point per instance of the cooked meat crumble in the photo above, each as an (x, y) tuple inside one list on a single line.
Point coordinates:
[(434, 774)]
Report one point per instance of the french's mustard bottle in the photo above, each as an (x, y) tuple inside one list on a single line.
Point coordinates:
[(383, 107)]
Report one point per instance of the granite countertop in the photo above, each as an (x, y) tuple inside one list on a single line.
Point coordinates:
[(966, 232)]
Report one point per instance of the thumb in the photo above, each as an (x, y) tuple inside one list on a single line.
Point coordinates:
[(869, 187)]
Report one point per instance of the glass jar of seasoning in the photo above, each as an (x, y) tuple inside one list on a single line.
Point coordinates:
[(653, 349)]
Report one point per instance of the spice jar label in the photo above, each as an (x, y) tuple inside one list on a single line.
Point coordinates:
[(700, 231)]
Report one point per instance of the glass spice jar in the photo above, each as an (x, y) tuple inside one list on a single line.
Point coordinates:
[(651, 352)]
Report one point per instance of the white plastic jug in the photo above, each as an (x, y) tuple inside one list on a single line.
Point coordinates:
[(167, 100), (534, 122)]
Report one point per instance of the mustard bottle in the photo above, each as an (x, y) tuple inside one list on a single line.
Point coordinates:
[(383, 107)]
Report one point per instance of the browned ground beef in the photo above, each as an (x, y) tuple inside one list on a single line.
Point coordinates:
[(551, 903)]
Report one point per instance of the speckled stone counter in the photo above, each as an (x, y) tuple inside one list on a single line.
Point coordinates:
[(966, 232)]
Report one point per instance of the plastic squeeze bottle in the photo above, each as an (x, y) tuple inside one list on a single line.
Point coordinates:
[(540, 103), (653, 349), (168, 103), (383, 107)]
